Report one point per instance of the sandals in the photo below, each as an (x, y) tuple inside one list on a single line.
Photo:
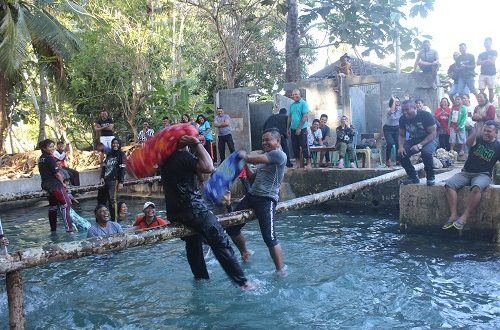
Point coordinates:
[(448, 224), (459, 224)]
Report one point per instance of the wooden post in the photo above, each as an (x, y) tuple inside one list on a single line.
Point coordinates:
[(14, 284)]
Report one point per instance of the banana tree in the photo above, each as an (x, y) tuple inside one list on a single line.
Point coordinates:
[(26, 26)]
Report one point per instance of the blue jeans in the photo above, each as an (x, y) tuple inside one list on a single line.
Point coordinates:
[(464, 83), (426, 153), (454, 90)]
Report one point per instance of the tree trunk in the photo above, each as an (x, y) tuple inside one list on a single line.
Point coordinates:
[(42, 134), (32, 91), (292, 45), (4, 89)]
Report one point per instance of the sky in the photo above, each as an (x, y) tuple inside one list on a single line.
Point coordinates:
[(450, 23)]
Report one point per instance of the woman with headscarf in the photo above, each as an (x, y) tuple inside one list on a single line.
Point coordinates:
[(112, 176)]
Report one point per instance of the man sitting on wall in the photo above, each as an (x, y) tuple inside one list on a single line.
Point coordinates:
[(483, 155), (345, 134)]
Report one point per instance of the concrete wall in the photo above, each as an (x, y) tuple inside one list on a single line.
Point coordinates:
[(425, 209), (87, 178), (304, 183), (322, 97), (413, 85), (236, 104)]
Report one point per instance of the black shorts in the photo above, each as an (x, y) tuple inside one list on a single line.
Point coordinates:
[(265, 210)]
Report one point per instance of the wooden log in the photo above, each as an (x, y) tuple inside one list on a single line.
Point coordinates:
[(70, 250), (77, 190), (14, 283), (318, 198)]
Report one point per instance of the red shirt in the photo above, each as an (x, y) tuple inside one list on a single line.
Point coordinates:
[(140, 223), (488, 114), (441, 116), (243, 173)]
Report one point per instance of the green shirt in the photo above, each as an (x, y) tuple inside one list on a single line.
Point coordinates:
[(297, 109), (462, 118)]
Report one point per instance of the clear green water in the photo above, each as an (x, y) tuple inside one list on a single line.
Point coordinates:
[(346, 269)]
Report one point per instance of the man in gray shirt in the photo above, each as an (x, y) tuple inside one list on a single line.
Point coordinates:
[(263, 195), (103, 227), (222, 122)]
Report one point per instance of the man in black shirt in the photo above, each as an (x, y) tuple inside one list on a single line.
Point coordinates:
[(325, 133), (483, 155), (421, 127), (185, 205), (104, 127), (280, 121)]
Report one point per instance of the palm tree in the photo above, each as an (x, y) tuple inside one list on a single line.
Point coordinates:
[(24, 24)]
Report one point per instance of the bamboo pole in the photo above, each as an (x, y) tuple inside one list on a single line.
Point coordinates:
[(71, 250), (14, 283)]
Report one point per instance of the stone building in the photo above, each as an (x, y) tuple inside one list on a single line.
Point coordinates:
[(363, 97)]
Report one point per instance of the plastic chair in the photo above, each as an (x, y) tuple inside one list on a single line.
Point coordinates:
[(367, 156), (393, 156)]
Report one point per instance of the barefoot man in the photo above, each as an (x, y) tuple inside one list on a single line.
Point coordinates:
[(263, 195)]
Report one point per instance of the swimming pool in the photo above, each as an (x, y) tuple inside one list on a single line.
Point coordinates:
[(346, 269)]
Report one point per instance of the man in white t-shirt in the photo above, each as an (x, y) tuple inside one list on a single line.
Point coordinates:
[(314, 135)]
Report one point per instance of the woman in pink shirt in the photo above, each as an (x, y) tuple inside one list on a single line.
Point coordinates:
[(442, 114)]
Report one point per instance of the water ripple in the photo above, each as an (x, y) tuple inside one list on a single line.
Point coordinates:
[(345, 270)]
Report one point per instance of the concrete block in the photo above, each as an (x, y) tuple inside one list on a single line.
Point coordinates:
[(425, 209)]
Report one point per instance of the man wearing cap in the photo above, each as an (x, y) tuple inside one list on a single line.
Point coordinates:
[(185, 205), (149, 219), (103, 227)]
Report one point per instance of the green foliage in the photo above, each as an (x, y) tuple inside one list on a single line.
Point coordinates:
[(245, 33), (373, 25)]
